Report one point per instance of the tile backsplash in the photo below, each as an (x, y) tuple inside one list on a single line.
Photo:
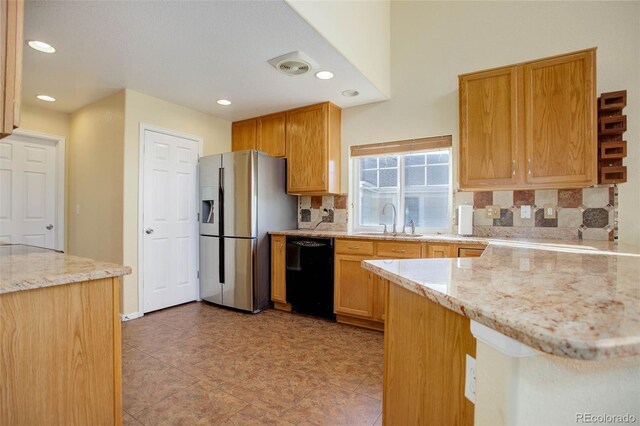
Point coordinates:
[(589, 213), (326, 212)]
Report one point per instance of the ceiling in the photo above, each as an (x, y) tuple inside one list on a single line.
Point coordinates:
[(187, 52)]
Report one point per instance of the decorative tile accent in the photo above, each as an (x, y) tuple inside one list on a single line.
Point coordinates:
[(569, 198), (316, 201), (482, 199), (595, 234), (304, 201), (506, 218), (312, 212), (546, 196), (612, 195), (340, 201), (569, 217), (520, 222), (504, 199), (595, 197), (463, 198), (595, 218), (524, 198), (327, 201), (545, 223), (480, 218)]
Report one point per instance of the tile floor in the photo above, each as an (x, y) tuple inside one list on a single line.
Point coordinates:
[(200, 364)]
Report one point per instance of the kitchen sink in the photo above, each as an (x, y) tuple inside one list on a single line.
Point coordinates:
[(388, 234)]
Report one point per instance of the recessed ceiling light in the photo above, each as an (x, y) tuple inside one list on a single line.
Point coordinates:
[(41, 46), (350, 93), (223, 102), (324, 75), (46, 98)]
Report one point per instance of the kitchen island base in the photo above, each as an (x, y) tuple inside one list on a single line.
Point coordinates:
[(60, 355)]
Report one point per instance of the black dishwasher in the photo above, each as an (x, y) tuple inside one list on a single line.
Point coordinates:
[(310, 275)]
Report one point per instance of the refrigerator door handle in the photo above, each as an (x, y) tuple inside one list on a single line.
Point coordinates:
[(221, 223)]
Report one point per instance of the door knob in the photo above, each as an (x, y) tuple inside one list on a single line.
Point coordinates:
[(149, 230), (49, 227)]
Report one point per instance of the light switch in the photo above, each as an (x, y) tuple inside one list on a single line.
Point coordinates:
[(549, 211), (77, 209), (493, 212), (525, 212)]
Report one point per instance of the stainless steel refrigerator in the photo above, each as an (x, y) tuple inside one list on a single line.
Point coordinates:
[(243, 197)]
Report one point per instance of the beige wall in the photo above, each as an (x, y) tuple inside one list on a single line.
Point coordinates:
[(433, 42), (95, 171), (146, 109), (56, 123), (359, 30)]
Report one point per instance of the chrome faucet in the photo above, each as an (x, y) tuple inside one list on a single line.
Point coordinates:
[(394, 215), (412, 224)]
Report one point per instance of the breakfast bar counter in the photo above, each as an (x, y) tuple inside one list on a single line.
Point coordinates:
[(528, 333), (60, 338)]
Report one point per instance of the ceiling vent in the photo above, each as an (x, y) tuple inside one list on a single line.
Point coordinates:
[(294, 63)]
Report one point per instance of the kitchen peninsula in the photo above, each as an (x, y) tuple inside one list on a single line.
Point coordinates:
[(554, 330), (60, 349)]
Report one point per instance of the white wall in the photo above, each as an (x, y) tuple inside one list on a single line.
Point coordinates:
[(359, 30), (433, 42), (550, 390), (140, 108)]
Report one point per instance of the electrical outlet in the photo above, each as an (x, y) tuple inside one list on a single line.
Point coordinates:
[(470, 379), (525, 212), (493, 212), (549, 211)]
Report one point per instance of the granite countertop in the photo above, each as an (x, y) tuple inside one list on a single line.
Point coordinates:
[(24, 268), (545, 244), (573, 301)]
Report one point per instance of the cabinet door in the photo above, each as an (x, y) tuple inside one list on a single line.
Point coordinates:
[(271, 134), (559, 129), (243, 135), (488, 128), (278, 269), (353, 287), (439, 250), (307, 149), (380, 286), (11, 41)]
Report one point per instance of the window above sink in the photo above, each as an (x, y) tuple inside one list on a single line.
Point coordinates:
[(417, 183)]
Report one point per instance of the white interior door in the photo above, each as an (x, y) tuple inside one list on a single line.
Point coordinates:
[(28, 191), (170, 224)]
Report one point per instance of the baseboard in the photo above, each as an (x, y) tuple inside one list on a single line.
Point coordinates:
[(130, 316)]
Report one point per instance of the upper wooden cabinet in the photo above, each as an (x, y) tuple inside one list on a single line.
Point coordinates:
[(531, 125), (11, 40), (243, 135), (313, 149), (271, 134), (310, 139), (560, 120), (488, 128)]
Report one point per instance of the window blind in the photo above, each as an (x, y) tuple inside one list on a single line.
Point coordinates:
[(403, 146)]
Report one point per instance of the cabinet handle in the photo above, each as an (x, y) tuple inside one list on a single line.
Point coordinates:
[(323, 178), (398, 250), (353, 247), (529, 162), (281, 245), (513, 167)]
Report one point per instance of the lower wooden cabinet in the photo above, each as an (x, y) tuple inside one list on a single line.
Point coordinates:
[(380, 288), (60, 355), (437, 250), (278, 272), (353, 287), (470, 250)]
